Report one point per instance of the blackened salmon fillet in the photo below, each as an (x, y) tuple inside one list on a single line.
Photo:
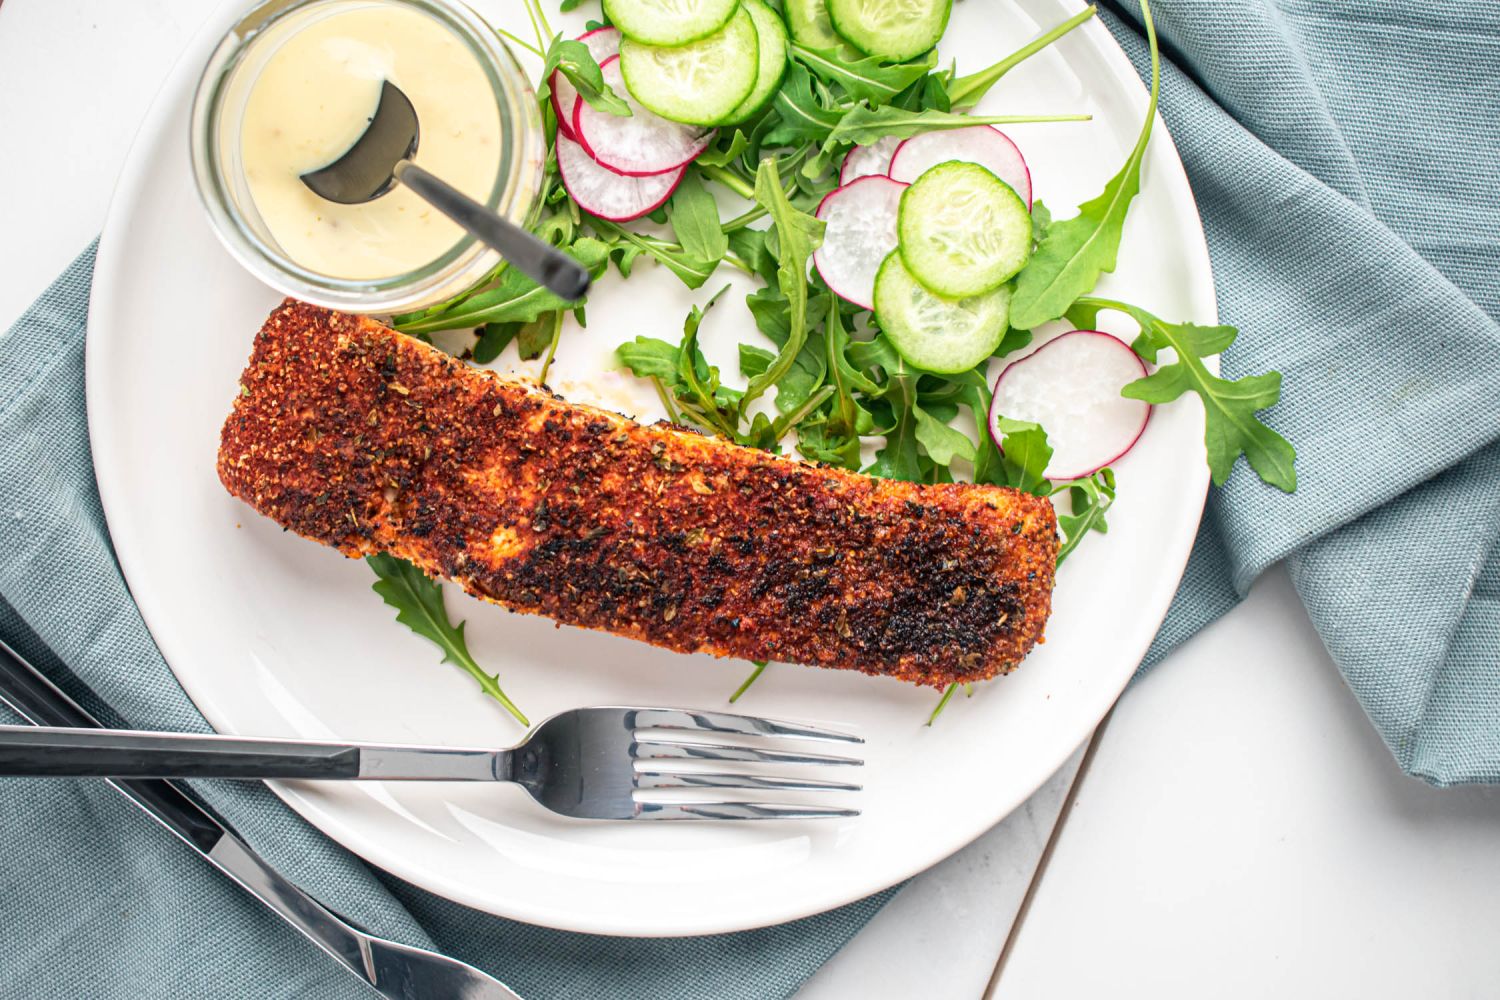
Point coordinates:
[(369, 441)]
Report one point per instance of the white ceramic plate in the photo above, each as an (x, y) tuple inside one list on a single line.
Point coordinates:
[(273, 635)]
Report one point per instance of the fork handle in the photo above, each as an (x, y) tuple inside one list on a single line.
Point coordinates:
[(48, 752), (29, 751)]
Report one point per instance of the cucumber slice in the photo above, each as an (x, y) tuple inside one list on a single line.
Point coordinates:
[(812, 28), (701, 83), (933, 333), (963, 231), (895, 30), (770, 32), (669, 22)]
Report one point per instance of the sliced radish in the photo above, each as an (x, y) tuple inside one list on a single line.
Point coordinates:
[(602, 44), (981, 144), (1071, 386), (869, 161), (602, 192), (860, 232), (644, 143)]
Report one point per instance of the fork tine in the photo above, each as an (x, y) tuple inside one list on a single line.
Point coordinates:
[(735, 810), (681, 779), (726, 722), (663, 749)]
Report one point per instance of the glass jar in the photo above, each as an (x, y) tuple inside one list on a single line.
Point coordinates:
[(218, 117)]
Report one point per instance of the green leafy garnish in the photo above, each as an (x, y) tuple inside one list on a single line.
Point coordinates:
[(574, 60), (967, 91), (695, 219), (760, 668), (798, 234), (418, 601), (863, 125), (1089, 499), (513, 297), (867, 79), (1074, 252), (1231, 427)]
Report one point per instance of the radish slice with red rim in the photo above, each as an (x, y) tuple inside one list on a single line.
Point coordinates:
[(638, 146), (602, 43), (860, 220), (982, 144), (873, 160), (602, 192), (1071, 386)]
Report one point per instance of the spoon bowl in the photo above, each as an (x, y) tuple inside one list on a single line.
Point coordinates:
[(381, 158)]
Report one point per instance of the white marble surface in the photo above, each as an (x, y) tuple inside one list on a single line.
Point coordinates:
[(1242, 832)]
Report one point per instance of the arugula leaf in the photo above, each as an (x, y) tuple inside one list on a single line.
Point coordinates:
[(694, 383), (418, 601), (802, 116), (1041, 220), (900, 459), (849, 418), (863, 124), (749, 245), (1231, 427), (967, 91), (722, 154), (695, 219), (754, 360), (1074, 252), (798, 234), (513, 298), (877, 353), (1089, 500), (1024, 454), (867, 79), (534, 337), (493, 341), (574, 60), (648, 357), (701, 389), (760, 668), (692, 271), (943, 443)]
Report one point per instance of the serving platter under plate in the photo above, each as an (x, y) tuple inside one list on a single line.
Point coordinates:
[(272, 635)]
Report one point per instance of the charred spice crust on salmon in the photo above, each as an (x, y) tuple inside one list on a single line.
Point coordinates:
[(368, 440)]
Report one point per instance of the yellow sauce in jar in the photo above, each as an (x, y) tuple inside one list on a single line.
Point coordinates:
[(313, 98)]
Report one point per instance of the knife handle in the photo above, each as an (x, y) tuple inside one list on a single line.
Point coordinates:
[(45, 752), (34, 697)]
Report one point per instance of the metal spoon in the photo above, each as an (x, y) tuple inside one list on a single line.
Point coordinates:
[(381, 158)]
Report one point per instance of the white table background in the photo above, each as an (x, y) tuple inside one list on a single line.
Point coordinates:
[(1240, 832)]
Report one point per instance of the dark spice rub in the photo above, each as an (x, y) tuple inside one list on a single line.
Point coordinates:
[(367, 440)]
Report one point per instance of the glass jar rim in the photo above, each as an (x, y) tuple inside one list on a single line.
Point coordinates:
[(467, 258)]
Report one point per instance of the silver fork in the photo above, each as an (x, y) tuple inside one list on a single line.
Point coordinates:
[(588, 763)]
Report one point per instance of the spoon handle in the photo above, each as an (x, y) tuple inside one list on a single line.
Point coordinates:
[(548, 266)]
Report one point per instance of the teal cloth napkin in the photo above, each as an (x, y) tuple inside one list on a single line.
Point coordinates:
[(1343, 156)]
